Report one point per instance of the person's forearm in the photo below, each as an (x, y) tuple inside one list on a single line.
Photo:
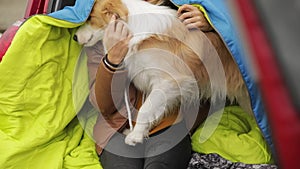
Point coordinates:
[(109, 88), (111, 78)]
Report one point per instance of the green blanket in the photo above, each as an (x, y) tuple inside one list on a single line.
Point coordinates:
[(234, 135), (45, 122), (40, 99)]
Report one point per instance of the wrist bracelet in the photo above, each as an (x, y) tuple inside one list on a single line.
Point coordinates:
[(111, 66)]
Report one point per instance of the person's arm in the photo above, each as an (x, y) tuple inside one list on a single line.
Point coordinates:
[(115, 40), (193, 18), (111, 79)]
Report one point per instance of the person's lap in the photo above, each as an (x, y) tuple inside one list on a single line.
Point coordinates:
[(170, 150)]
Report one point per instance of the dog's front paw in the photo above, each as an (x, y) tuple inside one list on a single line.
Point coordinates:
[(126, 131), (134, 137)]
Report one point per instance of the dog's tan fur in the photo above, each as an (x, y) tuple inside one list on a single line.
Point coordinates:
[(236, 90), (103, 11)]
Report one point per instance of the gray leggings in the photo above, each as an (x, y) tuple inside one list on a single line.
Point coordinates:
[(167, 149)]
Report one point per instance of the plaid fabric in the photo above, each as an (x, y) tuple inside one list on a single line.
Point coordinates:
[(214, 161)]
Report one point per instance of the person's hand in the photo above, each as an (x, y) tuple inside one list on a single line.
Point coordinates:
[(193, 18), (116, 39)]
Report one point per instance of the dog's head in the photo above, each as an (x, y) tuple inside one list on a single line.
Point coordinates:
[(93, 29)]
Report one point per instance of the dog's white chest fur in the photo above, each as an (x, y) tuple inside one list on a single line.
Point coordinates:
[(145, 19)]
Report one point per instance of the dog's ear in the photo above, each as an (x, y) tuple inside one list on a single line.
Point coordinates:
[(114, 7)]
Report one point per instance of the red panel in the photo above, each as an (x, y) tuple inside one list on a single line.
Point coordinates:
[(33, 7), (285, 122), (45, 8), (8, 36), (36, 7)]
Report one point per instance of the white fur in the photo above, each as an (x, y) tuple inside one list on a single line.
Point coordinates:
[(89, 36), (146, 68), (164, 78), (145, 19)]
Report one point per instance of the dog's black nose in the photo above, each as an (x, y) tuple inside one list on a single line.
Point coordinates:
[(75, 38)]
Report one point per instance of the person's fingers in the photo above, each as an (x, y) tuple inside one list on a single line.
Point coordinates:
[(111, 25), (129, 36), (193, 20), (187, 8), (191, 14), (125, 31), (119, 28), (113, 18), (184, 8), (185, 16), (193, 26), (203, 26)]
